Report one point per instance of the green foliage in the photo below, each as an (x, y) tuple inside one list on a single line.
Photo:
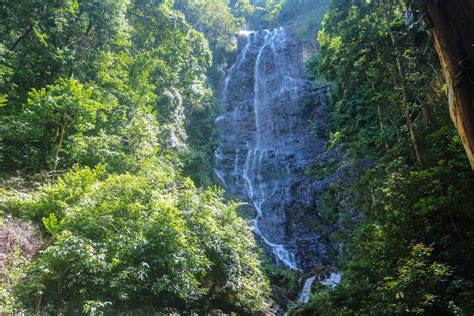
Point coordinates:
[(46, 40), (284, 284), (55, 112), (322, 169), (410, 249), (51, 224), (133, 144), (416, 280), (12, 274), (133, 58), (116, 97), (215, 20), (20, 242), (256, 13), (303, 17), (121, 242)]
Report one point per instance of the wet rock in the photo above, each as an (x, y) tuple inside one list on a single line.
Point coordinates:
[(268, 139)]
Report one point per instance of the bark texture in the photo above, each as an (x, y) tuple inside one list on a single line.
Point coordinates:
[(452, 25)]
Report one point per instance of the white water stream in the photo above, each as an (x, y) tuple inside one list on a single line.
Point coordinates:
[(306, 292)]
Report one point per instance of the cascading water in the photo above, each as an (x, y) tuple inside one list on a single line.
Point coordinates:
[(306, 292), (332, 281), (266, 143)]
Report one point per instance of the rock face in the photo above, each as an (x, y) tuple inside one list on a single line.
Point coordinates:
[(267, 141)]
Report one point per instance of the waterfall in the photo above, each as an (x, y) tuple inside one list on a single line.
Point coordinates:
[(331, 282), (306, 292), (265, 143)]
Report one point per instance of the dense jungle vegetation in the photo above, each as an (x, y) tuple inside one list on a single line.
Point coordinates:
[(108, 202), (107, 110), (410, 249)]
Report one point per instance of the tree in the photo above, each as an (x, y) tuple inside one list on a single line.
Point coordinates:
[(63, 109), (117, 94), (47, 40), (409, 247), (452, 26), (124, 242)]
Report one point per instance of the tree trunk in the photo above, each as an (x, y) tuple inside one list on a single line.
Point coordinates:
[(62, 131), (22, 37), (406, 108), (452, 26)]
